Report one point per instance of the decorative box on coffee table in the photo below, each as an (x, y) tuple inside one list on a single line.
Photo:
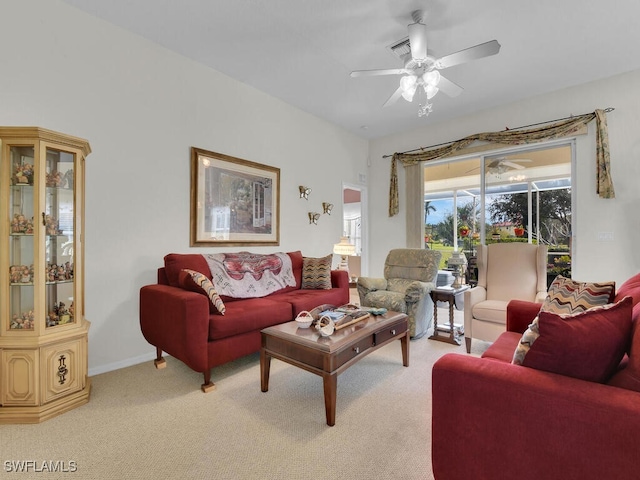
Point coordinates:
[(43, 332)]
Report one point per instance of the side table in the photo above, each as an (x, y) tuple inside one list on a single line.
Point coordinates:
[(446, 333)]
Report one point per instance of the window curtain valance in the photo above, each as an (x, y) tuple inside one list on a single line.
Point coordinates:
[(562, 128)]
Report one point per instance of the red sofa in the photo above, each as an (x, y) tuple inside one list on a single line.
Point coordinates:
[(494, 420), (184, 324)]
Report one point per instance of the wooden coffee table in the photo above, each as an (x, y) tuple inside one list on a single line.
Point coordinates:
[(330, 356)]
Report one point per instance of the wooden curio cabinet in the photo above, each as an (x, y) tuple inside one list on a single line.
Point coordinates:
[(43, 332)]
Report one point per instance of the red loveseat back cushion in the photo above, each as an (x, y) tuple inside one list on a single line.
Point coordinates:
[(630, 288), (175, 262)]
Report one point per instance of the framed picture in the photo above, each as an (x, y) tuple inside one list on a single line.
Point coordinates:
[(233, 201)]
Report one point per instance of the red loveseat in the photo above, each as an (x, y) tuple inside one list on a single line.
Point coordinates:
[(184, 324), (494, 420)]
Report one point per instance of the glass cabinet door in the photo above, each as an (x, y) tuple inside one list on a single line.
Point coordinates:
[(21, 238), (58, 223)]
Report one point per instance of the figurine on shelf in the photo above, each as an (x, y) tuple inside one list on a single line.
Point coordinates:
[(52, 272), (63, 313), (52, 319), (16, 322), (54, 179), (24, 174), (24, 321), (25, 276), (15, 273), (68, 271), (51, 225), (29, 227), (71, 309), (61, 273), (68, 179), (19, 224)]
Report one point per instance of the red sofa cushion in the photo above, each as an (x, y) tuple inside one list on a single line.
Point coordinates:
[(588, 345), (312, 298), (631, 287), (629, 377), (248, 315), (175, 262), (504, 346)]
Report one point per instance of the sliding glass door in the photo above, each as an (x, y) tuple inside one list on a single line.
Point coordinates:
[(518, 196)]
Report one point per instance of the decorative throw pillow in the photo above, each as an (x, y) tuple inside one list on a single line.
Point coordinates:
[(569, 296), (205, 285), (587, 345), (316, 273), (565, 296)]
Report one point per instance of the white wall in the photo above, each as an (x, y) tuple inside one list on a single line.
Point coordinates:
[(141, 108), (593, 260)]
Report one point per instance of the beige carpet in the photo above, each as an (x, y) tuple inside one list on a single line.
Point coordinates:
[(143, 423)]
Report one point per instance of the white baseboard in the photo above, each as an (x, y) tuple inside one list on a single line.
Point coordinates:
[(129, 362)]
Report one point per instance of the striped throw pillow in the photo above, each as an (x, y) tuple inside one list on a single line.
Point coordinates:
[(565, 296), (316, 273), (208, 288)]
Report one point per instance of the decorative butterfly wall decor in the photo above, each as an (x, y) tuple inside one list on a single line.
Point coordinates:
[(304, 192), (313, 217)]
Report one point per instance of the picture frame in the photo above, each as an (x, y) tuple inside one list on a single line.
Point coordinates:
[(233, 201)]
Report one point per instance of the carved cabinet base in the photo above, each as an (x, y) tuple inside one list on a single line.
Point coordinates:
[(40, 382)]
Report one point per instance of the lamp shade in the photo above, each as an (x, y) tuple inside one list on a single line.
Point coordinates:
[(458, 258), (344, 247)]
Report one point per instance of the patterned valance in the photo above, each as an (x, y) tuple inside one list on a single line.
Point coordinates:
[(551, 131)]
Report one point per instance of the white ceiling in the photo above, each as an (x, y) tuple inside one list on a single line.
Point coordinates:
[(302, 51)]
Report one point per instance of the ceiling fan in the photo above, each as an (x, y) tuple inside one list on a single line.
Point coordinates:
[(421, 70), (501, 165)]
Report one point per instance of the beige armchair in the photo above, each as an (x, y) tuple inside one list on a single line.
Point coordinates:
[(506, 271), (409, 275)]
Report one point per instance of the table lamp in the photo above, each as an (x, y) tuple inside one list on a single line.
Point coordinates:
[(344, 249), (458, 260)]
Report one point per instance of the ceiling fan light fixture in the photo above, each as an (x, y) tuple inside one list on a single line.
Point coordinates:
[(430, 90), (408, 84), (432, 78)]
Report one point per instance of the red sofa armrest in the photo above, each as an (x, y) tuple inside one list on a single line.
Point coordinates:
[(339, 279), (516, 422), (520, 314), (177, 322)]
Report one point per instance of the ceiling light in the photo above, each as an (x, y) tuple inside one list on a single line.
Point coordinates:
[(408, 84), (428, 81)]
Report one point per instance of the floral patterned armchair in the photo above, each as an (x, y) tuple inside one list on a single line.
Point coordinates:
[(409, 275)]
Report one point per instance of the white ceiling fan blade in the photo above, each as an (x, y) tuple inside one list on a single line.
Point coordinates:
[(472, 53), (449, 88), (373, 73), (394, 97), (418, 42)]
